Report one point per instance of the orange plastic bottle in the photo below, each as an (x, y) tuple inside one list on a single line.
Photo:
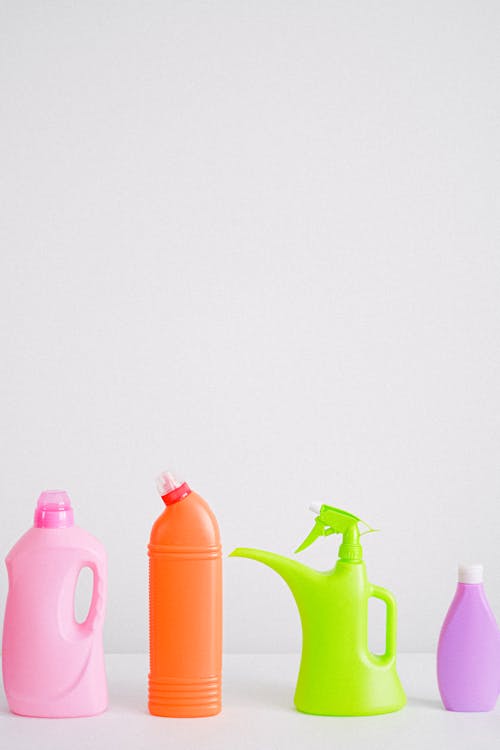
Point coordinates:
[(185, 606)]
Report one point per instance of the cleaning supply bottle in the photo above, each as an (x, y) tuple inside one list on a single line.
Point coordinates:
[(53, 666), (185, 605), (339, 675), (468, 657)]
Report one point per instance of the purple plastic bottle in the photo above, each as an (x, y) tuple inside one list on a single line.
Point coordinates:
[(468, 658)]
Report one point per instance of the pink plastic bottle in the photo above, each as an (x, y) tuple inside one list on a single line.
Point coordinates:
[(468, 659), (53, 666)]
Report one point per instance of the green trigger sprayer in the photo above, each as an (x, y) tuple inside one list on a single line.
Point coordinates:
[(339, 675), (335, 521)]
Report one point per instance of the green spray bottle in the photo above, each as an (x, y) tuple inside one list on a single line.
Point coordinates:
[(339, 675)]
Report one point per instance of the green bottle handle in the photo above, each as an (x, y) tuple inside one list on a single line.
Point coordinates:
[(390, 624)]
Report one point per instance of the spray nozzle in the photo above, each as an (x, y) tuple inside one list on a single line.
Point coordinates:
[(331, 520)]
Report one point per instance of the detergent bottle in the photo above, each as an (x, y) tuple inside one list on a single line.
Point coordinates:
[(468, 657), (53, 666), (185, 605), (339, 675)]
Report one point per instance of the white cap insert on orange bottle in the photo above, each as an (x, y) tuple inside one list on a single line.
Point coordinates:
[(166, 482), (171, 489)]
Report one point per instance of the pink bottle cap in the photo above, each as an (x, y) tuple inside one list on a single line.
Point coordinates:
[(53, 510)]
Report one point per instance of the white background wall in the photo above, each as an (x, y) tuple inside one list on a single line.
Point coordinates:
[(256, 243)]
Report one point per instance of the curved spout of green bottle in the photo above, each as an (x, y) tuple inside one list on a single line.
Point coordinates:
[(297, 575), (303, 581)]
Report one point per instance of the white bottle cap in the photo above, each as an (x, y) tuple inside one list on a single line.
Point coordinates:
[(166, 482), (470, 573), (315, 508)]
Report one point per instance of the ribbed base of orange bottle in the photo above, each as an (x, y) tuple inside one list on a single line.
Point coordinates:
[(185, 697)]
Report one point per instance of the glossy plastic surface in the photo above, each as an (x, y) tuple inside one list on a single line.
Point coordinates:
[(185, 593), (53, 510), (468, 659), (339, 675), (53, 666)]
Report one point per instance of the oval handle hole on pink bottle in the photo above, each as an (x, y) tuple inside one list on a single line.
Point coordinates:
[(377, 615), (83, 594)]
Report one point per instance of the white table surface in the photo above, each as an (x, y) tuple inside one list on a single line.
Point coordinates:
[(257, 713)]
